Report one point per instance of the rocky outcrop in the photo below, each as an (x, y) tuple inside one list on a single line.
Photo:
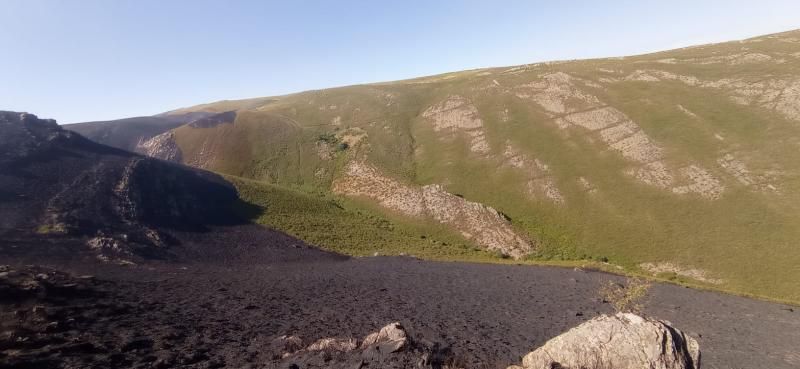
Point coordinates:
[(621, 341), (477, 222), (391, 338), (60, 184), (162, 147), (562, 98), (389, 347), (24, 135), (779, 94), (739, 170), (540, 181), (458, 114)]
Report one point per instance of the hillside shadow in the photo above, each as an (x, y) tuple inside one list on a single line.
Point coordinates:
[(246, 212)]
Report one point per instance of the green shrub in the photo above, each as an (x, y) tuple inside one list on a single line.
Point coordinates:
[(628, 298)]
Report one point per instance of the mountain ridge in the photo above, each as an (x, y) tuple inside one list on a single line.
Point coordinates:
[(678, 164), (64, 188), (477, 69)]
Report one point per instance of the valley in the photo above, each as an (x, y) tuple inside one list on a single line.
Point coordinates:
[(680, 165), (627, 212)]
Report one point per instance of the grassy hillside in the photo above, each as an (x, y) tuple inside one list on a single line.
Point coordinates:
[(343, 226), (682, 164)]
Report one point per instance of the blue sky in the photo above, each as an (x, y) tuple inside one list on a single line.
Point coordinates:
[(103, 59)]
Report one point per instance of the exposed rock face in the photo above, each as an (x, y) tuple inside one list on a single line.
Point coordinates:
[(622, 341), (739, 170), (477, 222), (364, 180), (553, 91), (561, 97), (780, 95), (458, 114), (540, 181), (24, 134), (162, 147)]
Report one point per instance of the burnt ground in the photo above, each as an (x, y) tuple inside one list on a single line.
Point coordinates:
[(243, 286)]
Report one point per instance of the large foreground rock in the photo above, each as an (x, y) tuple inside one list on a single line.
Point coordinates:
[(621, 341)]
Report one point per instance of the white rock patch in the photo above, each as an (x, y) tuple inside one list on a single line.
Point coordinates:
[(586, 185), (458, 114), (701, 182), (477, 222), (686, 111), (559, 96), (539, 179), (739, 170), (666, 267), (780, 95)]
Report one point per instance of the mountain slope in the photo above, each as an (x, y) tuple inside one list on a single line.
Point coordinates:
[(130, 133), (58, 189), (683, 164)]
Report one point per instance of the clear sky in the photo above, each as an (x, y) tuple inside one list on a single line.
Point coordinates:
[(103, 59)]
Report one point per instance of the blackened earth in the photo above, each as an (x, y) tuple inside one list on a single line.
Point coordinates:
[(239, 288)]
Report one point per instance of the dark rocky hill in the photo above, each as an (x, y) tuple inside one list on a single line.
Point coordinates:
[(57, 184)]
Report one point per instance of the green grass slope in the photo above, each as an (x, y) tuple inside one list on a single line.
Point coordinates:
[(343, 226), (696, 176)]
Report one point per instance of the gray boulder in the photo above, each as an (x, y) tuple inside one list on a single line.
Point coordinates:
[(621, 341), (391, 338)]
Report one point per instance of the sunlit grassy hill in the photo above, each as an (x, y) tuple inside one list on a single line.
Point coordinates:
[(682, 164)]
